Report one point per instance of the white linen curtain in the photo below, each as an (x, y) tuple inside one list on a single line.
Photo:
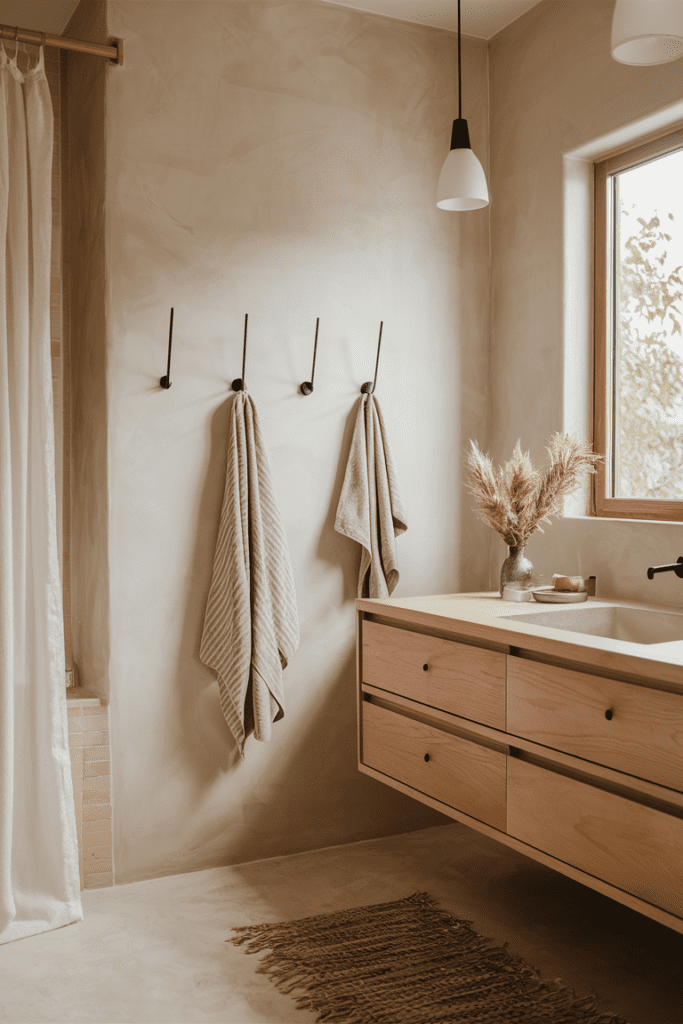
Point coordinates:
[(39, 880)]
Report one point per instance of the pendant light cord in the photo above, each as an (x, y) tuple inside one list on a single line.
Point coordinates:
[(459, 74)]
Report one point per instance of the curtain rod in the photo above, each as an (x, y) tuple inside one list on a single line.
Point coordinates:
[(27, 35)]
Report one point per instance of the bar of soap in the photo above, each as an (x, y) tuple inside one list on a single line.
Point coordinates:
[(568, 583)]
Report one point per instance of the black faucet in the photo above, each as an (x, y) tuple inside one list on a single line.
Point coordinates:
[(677, 567)]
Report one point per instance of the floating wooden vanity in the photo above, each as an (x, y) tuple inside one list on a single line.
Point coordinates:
[(567, 747)]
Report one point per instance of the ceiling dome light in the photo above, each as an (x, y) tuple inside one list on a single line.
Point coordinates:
[(462, 182), (647, 31)]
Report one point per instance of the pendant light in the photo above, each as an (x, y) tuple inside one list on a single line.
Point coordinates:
[(647, 31), (462, 182)]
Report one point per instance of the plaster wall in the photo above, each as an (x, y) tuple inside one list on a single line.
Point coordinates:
[(557, 101), (86, 350), (278, 159)]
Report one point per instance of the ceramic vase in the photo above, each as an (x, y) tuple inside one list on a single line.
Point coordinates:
[(515, 569)]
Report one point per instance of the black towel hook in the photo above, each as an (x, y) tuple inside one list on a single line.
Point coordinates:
[(307, 386), (238, 383), (369, 388), (165, 381)]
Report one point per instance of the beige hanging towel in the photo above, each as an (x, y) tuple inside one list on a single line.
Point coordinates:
[(370, 509), (251, 625)]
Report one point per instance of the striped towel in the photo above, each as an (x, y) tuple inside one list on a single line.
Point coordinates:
[(251, 626), (370, 509)]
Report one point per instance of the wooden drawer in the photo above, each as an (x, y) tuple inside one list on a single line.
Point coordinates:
[(565, 710), (466, 681), (636, 848), (464, 775)]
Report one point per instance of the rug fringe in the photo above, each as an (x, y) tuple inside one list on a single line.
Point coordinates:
[(407, 962)]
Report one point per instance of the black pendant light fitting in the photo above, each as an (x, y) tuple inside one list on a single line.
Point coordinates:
[(460, 136), (462, 182)]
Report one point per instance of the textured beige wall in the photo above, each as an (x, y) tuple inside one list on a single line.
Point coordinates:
[(85, 278), (555, 89), (278, 159)]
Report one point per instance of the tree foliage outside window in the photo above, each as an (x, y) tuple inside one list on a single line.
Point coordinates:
[(648, 365)]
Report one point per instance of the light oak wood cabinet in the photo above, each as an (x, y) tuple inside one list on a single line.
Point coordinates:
[(468, 681), (635, 729), (631, 845), (432, 761), (580, 770)]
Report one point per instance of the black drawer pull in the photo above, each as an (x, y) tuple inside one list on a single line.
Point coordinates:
[(608, 714), (426, 757), (425, 667)]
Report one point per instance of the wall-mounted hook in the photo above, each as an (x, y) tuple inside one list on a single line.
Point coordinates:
[(369, 387), (238, 383), (307, 386), (165, 381)]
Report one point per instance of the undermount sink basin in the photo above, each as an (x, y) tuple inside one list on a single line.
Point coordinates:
[(636, 625)]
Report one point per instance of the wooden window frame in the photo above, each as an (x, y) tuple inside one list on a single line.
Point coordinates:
[(601, 505)]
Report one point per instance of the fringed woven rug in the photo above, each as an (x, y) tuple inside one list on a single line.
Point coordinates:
[(408, 961)]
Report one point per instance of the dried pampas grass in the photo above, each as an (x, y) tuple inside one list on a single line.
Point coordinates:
[(517, 499)]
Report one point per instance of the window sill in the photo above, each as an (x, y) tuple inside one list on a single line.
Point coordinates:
[(79, 696), (624, 519)]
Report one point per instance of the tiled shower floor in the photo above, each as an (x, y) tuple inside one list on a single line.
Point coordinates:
[(154, 951)]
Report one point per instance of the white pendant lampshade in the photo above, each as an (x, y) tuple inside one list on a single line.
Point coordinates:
[(462, 182), (647, 31)]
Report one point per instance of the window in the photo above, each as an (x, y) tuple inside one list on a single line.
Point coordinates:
[(638, 372)]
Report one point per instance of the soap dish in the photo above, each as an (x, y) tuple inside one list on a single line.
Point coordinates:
[(513, 592), (549, 595)]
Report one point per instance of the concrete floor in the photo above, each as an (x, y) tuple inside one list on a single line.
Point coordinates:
[(154, 951)]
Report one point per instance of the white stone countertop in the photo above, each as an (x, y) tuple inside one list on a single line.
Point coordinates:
[(484, 616)]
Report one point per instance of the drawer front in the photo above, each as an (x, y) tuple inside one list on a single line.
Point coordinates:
[(566, 710), (466, 681), (464, 775), (636, 848)]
